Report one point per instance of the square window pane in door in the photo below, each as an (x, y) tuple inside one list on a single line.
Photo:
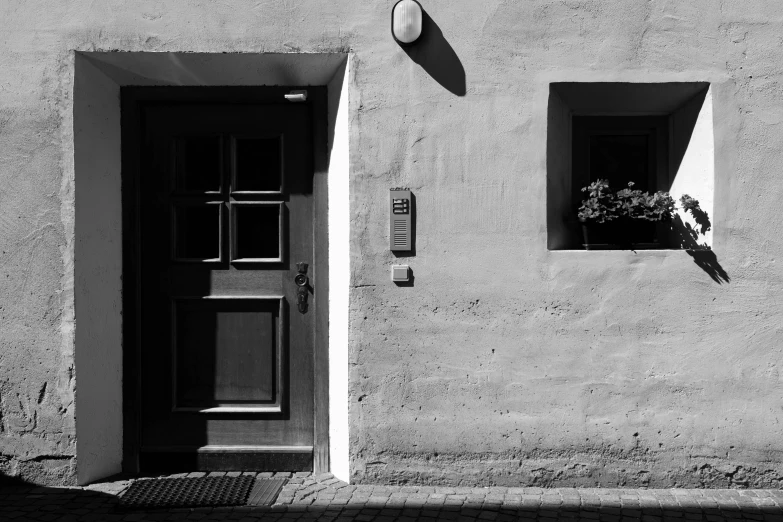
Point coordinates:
[(256, 231), (197, 232), (257, 164), (199, 163)]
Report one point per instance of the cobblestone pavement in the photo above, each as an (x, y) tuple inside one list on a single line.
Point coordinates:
[(323, 497)]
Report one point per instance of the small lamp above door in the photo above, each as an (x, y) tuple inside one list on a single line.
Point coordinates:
[(406, 21)]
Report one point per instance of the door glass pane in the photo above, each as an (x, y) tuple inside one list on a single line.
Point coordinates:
[(257, 163), (226, 351), (257, 231), (199, 161), (197, 231)]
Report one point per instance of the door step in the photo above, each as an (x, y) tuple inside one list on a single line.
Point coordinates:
[(219, 458)]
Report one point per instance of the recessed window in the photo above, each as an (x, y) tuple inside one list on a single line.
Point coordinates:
[(622, 133), (622, 150)]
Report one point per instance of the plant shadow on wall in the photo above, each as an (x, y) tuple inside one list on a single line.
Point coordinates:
[(687, 238), (632, 219), (434, 54)]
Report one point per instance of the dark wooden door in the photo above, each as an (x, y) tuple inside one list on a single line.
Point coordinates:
[(226, 356)]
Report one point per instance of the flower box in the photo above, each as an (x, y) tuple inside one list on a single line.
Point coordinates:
[(628, 218), (637, 234)]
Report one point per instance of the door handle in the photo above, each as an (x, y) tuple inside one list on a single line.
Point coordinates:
[(301, 280)]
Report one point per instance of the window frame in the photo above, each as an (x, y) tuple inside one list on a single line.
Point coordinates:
[(585, 126), (655, 127)]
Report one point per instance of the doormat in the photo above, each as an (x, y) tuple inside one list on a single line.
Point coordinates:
[(188, 492)]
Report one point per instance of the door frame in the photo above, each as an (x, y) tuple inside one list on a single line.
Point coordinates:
[(132, 101)]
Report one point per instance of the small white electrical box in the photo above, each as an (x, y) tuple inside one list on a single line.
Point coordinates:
[(400, 273)]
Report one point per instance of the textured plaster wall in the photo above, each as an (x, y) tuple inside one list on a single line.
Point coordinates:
[(37, 431), (504, 362)]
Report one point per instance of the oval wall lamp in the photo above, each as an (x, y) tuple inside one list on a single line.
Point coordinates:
[(406, 22)]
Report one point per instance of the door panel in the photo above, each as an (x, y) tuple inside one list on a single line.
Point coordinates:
[(225, 213), (227, 353)]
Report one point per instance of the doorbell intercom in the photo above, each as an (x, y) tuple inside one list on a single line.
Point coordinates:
[(400, 228)]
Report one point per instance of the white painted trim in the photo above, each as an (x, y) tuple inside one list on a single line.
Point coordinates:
[(339, 276)]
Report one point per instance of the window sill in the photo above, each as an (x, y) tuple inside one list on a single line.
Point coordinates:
[(627, 250)]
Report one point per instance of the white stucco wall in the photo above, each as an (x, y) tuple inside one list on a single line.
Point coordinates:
[(504, 362)]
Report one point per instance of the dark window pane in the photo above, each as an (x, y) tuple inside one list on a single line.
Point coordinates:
[(257, 231), (198, 163), (620, 159), (197, 231), (258, 164), (226, 351)]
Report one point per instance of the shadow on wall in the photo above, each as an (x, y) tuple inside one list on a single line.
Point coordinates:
[(434, 54), (687, 237)]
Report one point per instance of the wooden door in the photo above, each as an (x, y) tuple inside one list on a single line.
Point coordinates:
[(225, 213)]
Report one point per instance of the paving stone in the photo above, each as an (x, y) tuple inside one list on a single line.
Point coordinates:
[(323, 497), (487, 515)]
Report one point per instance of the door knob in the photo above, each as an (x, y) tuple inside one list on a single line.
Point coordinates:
[(301, 280)]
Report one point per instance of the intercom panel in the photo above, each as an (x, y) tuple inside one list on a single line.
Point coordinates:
[(400, 229)]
